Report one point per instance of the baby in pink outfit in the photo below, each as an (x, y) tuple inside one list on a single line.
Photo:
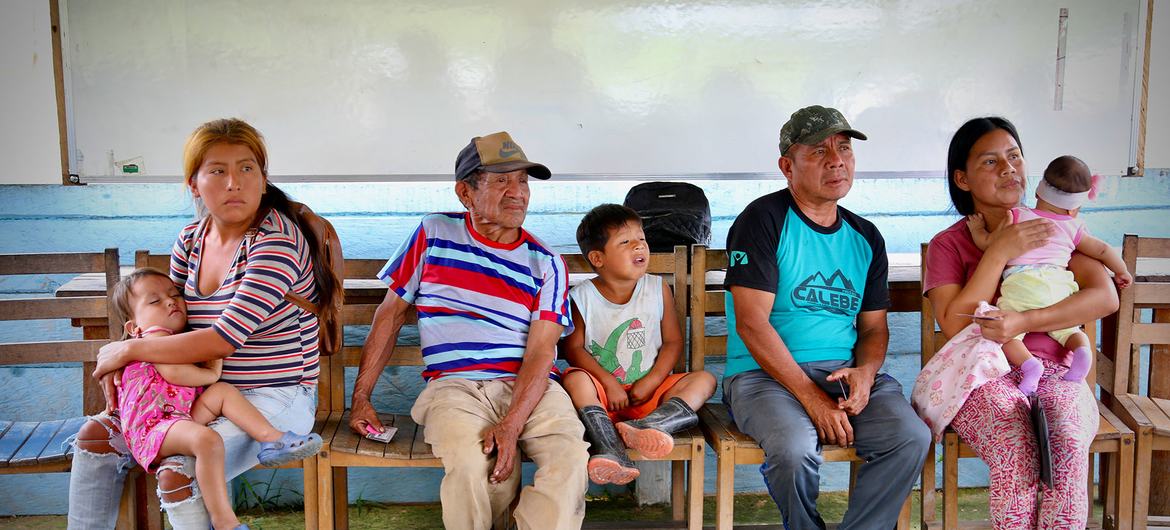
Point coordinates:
[(1040, 277), (165, 409)]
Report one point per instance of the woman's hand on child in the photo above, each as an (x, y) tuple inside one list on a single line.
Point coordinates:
[(110, 357), (1012, 240), (1002, 325), (109, 384)]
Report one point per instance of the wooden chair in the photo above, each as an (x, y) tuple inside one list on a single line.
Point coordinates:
[(1148, 414), (162, 262), (1114, 441), (39, 446), (733, 447), (689, 448)]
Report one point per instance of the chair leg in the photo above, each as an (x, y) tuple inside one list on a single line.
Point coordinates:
[(950, 519), (325, 494), (309, 470), (904, 516), (678, 482), (725, 487), (128, 503), (1143, 456), (341, 498), (1123, 477), (1106, 487), (929, 495), (695, 486)]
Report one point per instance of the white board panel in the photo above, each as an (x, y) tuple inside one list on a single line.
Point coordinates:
[(607, 86), (30, 143)]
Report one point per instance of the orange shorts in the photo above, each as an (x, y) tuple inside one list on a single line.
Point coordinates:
[(632, 413)]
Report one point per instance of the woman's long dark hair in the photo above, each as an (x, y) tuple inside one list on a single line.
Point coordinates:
[(329, 286), (960, 150)]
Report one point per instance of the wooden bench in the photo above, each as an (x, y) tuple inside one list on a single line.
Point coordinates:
[(40, 446), (733, 447), (1113, 440)]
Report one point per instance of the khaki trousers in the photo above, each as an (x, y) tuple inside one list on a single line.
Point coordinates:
[(455, 413)]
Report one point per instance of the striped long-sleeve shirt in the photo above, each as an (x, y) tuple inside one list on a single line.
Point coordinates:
[(476, 297), (275, 341)]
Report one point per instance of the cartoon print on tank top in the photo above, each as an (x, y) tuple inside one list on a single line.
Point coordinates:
[(608, 355)]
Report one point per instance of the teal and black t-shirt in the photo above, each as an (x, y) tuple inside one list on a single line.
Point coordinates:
[(822, 278)]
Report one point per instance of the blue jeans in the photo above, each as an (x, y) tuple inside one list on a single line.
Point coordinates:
[(95, 483), (887, 434)]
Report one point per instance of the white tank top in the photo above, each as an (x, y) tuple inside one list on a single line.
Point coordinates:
[(623, 338)]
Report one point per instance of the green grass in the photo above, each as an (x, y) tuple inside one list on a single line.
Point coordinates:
[(749, 508)]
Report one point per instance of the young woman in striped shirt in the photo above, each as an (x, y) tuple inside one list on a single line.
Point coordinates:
[(234, 267)]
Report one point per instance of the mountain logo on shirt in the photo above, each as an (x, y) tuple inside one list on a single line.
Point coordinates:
[(834, 295), (738, 257)]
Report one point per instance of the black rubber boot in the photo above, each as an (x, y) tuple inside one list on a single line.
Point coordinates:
[(651, 435), (609, 462)]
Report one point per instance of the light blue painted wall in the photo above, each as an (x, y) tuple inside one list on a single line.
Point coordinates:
[(373, 218)]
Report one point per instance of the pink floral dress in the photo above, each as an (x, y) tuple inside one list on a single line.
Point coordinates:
[(149, 406)]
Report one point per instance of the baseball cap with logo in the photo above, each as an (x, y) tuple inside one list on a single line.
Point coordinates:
[(495, 153), (811, 125)]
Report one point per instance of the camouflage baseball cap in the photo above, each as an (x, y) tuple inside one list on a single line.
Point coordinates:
[(811, 125), (495, 153)]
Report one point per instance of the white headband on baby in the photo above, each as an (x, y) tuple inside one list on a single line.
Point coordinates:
[(1064, 199)]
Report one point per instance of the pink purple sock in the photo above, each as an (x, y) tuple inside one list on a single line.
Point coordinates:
[(1082, 361), (1030, 371)]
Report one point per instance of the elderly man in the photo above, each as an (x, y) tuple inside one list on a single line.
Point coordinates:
[(492, 304), (807, 301)]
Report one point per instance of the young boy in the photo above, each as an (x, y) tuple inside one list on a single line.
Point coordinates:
[(626, 339)]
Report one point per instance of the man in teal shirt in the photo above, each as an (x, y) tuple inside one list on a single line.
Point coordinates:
[(807, 302)]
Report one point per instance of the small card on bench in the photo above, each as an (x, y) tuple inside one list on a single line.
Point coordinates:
[(383, 437)]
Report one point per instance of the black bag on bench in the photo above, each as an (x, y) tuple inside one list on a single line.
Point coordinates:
[(673, 213)]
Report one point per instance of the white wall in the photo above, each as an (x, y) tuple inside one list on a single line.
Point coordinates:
[(403, 132), (29, 140)]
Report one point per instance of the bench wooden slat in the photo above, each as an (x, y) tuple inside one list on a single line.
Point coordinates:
[(344, 440), (1151, 294), (408, 355), (13, 438), (400, 446), (716, 302), (420, 448), (361, 268), (57, 450), (53, 308), (50, 352), (36, 443), (52, 263)]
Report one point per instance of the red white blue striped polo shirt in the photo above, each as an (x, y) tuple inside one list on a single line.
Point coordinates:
[(275, 341), (476, 297)]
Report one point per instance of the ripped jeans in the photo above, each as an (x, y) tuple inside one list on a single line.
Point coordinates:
[(96, 480)]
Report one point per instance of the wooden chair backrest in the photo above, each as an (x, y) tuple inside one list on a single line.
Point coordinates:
[(1131, 332), (707, 300), (932, 339), (77, 309), (672, 266)]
